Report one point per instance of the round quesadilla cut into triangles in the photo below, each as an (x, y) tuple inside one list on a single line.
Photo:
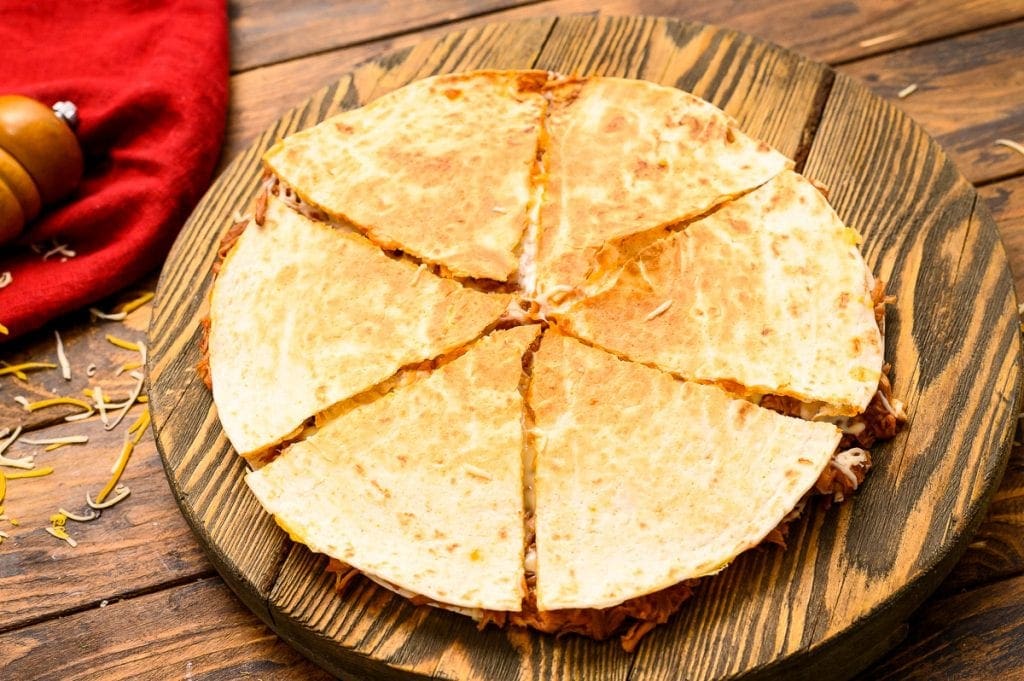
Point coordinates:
[(626, 156), (303, 316), (441, 168), (423, 487), (643, 480), (768, 295), (544, 350)]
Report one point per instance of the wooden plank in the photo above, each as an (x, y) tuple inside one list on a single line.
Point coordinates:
[(194, 631), (970, 92), (975, 635), (832, 31), (266, 31), (135, 546)]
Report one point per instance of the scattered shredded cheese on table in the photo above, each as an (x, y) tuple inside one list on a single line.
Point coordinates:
[(136, 303), (1016, 146), (25, 366), (62, 358), (122, 343), (907, 91), (97, 313)]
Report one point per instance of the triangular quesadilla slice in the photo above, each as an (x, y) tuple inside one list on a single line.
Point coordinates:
[(422, 488), (644, 481), (441, 168), (304, 316), (626, 156), (768, 295)]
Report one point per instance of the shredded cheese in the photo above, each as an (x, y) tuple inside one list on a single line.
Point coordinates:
[(20, 462), (62, 359), (4, 330), (61, 533), (25, 366), (135, 304), (121, 492), (135, 393), (139, 429), (878, 40), (59, 249), (7, 442), (907, 91), (419, 271), (127, 366), (122, 343), (54, 401), (101, 405), (93, 515), (33, 473), (18, 374), (1016, 146), (96, 313), (140, 425), (845, 460), (22, 400), (658, 310), (6, 279), (90, 370), (53, 443), (643, 274)]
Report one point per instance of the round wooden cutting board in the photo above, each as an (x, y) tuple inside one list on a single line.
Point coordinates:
[(833, 601)]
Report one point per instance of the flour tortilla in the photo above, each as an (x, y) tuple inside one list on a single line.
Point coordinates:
[(304, 316), (440, 168), (644, 481), (422, 488), (626, 156), (768, 295)]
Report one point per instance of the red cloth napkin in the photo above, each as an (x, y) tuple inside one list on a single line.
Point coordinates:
[(151, 84)]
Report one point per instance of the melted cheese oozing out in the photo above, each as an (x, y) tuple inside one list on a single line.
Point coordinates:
[(528, 253), (845, 460)]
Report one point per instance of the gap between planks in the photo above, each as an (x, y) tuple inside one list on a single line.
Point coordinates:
[(144, 591), (921, 43)]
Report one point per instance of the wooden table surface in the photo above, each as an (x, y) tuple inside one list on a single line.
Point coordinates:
[(136, 598)]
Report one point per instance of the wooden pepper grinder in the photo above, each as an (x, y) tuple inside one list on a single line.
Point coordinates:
[(40, 159)]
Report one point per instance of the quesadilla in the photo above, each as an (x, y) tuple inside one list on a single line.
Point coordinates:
[(768, 295), (627, 156), (643, 481), (303, 316), (423, 487), (441, 169), (544, 351)]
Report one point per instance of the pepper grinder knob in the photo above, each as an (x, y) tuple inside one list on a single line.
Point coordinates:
[(40, 159)]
